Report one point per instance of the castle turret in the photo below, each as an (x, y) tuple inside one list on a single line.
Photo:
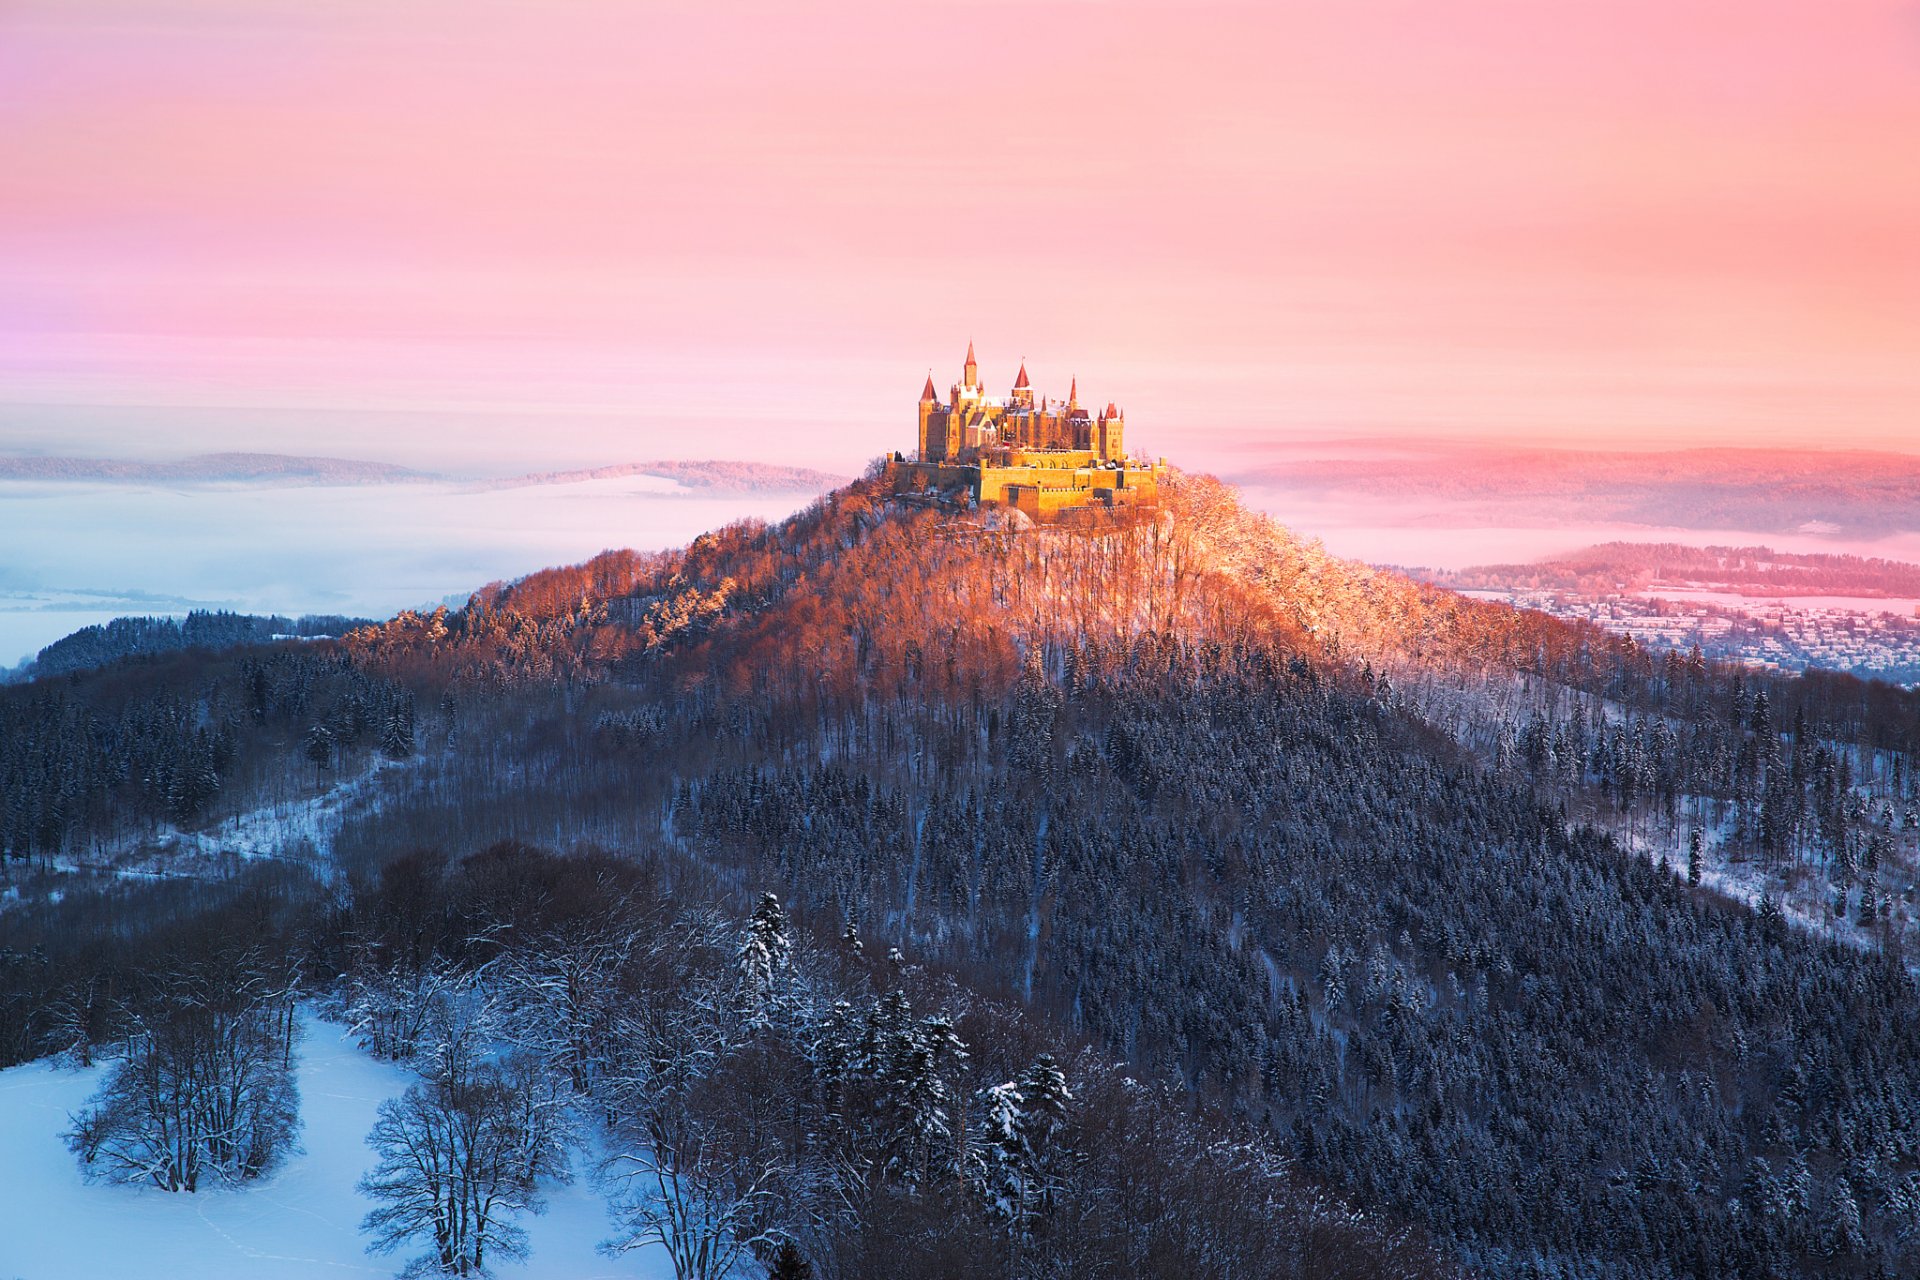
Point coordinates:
[(970, 374), (929, 411), (1110, 435), (1022, 396)]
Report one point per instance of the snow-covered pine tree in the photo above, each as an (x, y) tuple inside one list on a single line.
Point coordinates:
[(396, 736), (766, 959), (318, 747), (1016, 1159), (1043, 1116)]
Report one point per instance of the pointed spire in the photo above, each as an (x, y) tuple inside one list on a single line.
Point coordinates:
[(1073, 393), (1020, 383), (927, 393), (970, 374)]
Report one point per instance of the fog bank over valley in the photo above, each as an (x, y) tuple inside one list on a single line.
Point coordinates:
[(82, 551)]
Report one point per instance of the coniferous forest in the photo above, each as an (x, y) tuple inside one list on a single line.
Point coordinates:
[(910, 890)]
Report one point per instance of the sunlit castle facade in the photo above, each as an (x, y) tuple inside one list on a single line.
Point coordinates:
[(1038, 455)]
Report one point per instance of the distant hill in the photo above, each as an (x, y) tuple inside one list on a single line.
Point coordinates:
[(1640, 566), (1836, 493), (706, 476), (97, 646), (712, 476), (210, 468)]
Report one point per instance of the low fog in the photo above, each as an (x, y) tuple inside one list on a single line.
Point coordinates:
[(81, 553)]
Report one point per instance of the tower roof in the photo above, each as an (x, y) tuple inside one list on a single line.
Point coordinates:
[(970, 359), (927, 392), (1021, 382), (1073, 393)]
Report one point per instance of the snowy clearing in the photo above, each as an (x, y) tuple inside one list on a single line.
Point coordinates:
[(302, 1222)]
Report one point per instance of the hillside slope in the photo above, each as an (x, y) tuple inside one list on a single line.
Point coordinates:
[(1356, 860)]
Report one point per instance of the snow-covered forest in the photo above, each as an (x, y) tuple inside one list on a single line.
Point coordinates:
[(1150, 895)]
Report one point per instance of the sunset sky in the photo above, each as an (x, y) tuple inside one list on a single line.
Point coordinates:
[(503, 235)]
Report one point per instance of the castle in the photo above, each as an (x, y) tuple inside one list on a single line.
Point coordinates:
[(1039, 456)]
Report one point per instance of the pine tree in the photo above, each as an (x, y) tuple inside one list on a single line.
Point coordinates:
[(1001, 1161), (1018, 1161), (319, 749), (788, 1264), (766, 957), (1693, 856), (1769, 912), (1043, 1107), (396, 737)]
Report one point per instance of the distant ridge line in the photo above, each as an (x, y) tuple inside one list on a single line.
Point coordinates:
[(709, 475), (717, 476), (209, 468)]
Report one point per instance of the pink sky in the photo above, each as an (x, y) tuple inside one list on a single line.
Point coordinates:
[(521, 234)]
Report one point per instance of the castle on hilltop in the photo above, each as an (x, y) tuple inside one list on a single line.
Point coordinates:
[(1037, 455)]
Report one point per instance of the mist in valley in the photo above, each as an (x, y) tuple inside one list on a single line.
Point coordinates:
[(82, 553)]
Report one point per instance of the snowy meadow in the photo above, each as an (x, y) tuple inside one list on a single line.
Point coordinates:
[(302, 1223)]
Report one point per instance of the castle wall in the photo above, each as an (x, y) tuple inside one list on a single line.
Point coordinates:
[(1039, 491)]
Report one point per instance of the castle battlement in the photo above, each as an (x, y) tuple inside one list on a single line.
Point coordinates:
[(1039, 455)]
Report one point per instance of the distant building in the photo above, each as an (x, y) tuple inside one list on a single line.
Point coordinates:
[(1040, 456)]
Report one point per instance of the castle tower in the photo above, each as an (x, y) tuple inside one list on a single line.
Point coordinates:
[(1110, 439), (929, 406), (970, 374), (1022, 396)]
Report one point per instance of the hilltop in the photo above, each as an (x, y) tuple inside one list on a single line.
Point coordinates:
[(1395, 883)]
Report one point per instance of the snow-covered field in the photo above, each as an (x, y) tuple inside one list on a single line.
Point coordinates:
[(302, 1223)]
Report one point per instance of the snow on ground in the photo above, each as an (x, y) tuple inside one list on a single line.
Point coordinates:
[(280, 828), (297, 829), (301, 1224), (1805, 896)]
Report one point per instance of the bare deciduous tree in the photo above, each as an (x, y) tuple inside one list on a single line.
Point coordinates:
[(203, 1086), (460, 1156)]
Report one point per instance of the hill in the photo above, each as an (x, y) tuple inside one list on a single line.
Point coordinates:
[(97, 646), (208, 468), (1832, 492), (1650, 566), (699, 476), (273, 468), (1390, 884)]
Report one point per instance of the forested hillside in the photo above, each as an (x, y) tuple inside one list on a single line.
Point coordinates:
[(98, 645), (1443, 905)]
